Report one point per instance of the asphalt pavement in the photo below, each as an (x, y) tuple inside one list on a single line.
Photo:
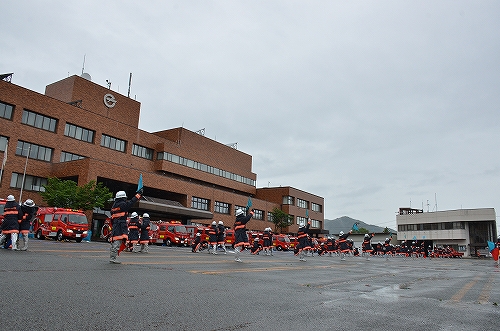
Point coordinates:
[(70, 286)]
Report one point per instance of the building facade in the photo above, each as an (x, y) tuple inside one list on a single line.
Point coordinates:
[(82, 131), (465, 230)]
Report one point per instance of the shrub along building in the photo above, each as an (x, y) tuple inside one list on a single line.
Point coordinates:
[(82, 131)]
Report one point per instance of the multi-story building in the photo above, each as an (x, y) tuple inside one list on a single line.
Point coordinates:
[(465, 230), (82, 131)]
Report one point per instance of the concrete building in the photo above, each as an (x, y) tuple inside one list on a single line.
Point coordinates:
[(82, 131), (465, 230)]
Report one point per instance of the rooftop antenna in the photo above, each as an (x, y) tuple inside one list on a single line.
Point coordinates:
[(129, 83), (83, 66)]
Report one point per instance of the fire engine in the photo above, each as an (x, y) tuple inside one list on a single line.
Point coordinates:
[(171, 233), (60, 223), (281, 242)]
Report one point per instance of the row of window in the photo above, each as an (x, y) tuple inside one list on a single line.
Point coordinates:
[(289, 200), (432, 226), (77, 132), (203, 167), (225, 208)]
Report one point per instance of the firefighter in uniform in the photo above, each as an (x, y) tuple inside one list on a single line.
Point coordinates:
[(221, 236), (240, 232), (195, 246), (144, 239), (12, 214), (119, 234), (267, 236), (29, 210), (366, 247), (302, 236), (212, 240), (133, 232), (343, 244)]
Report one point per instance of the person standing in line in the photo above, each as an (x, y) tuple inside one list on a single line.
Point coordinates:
[(267, 245), (344, 245), (119, 210), (144, 238), (240, 232), (29, 210), (212, 238), (133, 232), (221, 236), (10, 226), (366, 246), (302, 235)]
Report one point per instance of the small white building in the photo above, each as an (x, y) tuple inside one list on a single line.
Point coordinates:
[(465, 230)]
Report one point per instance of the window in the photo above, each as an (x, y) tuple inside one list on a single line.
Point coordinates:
[(66, 157), (6, 110), (221, 207), (315, 207), (302, 203), (3, 143), (79, 133), (288, 200), (39, 121), (141, 151), (199, 203), (36, 152), (236, 207), (31, 183), (258, 214), (113, 143), (203, 167), (269, 216), (315, 224), (301, 221)]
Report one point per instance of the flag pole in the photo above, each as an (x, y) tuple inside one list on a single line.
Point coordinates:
[(4, 160), (24, 175)]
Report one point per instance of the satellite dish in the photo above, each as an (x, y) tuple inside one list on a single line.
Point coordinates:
[(86, 76)]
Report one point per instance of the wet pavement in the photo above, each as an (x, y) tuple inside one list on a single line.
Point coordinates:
[(68, 285)]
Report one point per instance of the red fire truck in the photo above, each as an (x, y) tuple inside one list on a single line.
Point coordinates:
[(281, 242), (60, 223), (171, 233)]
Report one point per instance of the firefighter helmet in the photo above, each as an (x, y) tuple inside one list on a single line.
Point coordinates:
[(221, 223), (29, 203), (341, 233), (120, 194), (10, 198), (145, 215), (239, 212), (214, 223), (134, 215), (367, 235)]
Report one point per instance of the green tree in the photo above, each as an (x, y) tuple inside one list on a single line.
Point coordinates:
[(386, 230), (361, 230), (281, 219), (67, 194)]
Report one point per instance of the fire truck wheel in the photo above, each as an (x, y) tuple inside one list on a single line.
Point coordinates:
[(278, 248), (168, 242), (39, 235), (59, 236)]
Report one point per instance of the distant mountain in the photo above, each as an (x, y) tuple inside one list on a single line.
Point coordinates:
[(345, 223)]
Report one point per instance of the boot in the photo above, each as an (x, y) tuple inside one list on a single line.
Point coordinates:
[(146, 248), (14, 241), (25, 242), (301, 256), (113, 251), (2, 239), (214, 247), (237, 254)]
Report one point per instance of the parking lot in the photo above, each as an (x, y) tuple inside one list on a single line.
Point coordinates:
[(67, 285)]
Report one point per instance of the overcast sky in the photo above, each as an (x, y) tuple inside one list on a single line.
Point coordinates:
[(373, 105)]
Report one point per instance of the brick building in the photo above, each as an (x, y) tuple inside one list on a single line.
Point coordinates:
[(82, 131)]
